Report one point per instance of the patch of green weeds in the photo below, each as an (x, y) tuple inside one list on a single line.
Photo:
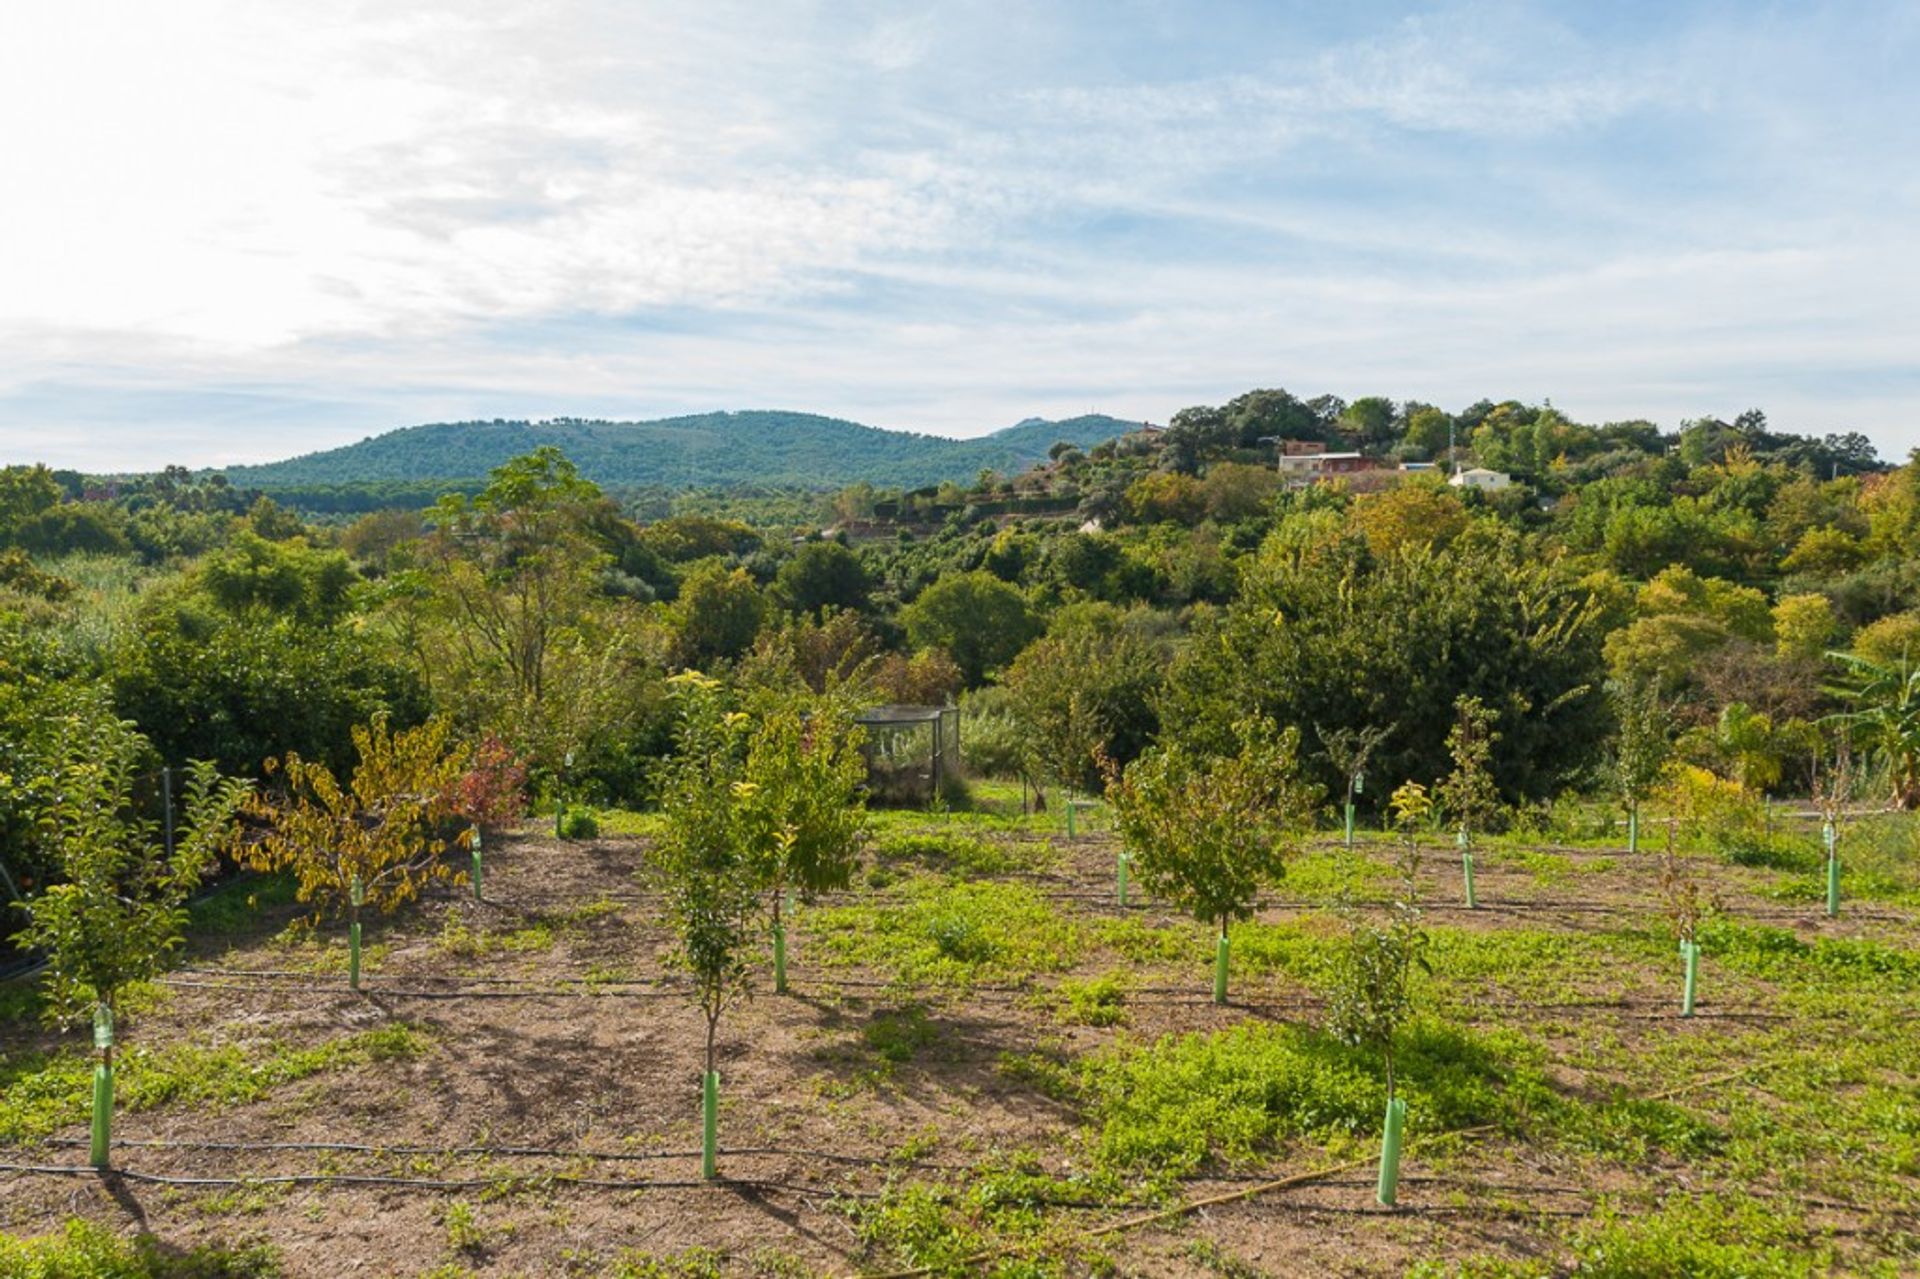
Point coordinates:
[(1147, 944), (460, 942), (1237, 1095), (1709, 1237), (82, 1250), (694, 1263), (1330, 875), (955, 854), (238, 905), (950, 933), (1002, 1205), (1090, 1001), (895, 1037), (1776, 953), (40, 1093)]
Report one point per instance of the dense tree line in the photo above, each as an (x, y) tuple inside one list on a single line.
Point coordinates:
[(1173, 588)]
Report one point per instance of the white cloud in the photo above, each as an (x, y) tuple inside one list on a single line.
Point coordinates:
[(925, 219)]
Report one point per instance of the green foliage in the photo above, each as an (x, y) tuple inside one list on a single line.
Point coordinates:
[(1208, 833), (721, 449), (1642, 746), (1710, 1237), (1884, 718), (706, 872), (577, 821), (1369, 984), (951, 933), (1083, 696), (820, 577), (1326, 634), (40, 1094), (119, 906), (977, 618), (82, 1250), (1234, 1096), (203, 685), (1468, 795), (799, 810), (718, 615)]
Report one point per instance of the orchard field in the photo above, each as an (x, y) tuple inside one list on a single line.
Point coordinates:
[(984, 1063)]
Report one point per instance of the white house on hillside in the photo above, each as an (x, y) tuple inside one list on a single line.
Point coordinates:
[(1480, 477)]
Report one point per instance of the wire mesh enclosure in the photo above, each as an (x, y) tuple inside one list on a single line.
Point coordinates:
[(913, 753)]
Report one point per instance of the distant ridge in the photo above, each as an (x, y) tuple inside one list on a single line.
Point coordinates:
[(708, 450)]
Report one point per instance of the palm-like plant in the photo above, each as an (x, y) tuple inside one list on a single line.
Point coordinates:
[(1884, 718)]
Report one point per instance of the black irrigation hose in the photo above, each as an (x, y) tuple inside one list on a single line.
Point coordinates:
[(428, 1183), (517, 1152)]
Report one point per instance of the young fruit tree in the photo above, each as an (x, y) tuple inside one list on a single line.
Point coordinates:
[(1642, 747), (1468, 795), (708, 877), (1833, 788), (1686, 902), (1209, 832), (1348, 750), (376, 841), (119, 906), (1370, 987), (800, 812)]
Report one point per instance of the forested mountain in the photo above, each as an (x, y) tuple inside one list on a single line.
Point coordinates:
[(708, 450)]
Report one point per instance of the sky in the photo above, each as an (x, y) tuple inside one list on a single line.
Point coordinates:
[(237, 230)]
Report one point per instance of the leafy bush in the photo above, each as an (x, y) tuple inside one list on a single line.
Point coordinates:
[(577, 821)]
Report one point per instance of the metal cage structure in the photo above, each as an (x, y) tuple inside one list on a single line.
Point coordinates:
[(912, 753)]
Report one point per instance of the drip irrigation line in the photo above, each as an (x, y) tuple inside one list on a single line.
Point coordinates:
[(516, 1152), (429, 1183)]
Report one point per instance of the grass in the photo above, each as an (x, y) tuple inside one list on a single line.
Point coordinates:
[(40, 1093)]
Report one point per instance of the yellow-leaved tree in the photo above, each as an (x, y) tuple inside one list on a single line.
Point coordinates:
[(379, 839)]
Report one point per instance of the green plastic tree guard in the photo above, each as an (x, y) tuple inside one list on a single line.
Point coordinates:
[(1390, 1150), (1466, 866), (1633, 829), (1691, 952), (357, 894), (1349, 825), (1120, 878), (710, 1125), (780, 956), (476, 864), (102, 1086), (1220, 959), (1833, 869)]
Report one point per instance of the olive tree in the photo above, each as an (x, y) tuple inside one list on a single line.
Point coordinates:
[(1209, 832)]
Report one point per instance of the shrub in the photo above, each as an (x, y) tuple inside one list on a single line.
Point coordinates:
[(577, 821)]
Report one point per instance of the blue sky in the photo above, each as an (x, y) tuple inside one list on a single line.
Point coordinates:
[(241, 229)]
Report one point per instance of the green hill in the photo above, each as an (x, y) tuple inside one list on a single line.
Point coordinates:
[(710, 450)]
